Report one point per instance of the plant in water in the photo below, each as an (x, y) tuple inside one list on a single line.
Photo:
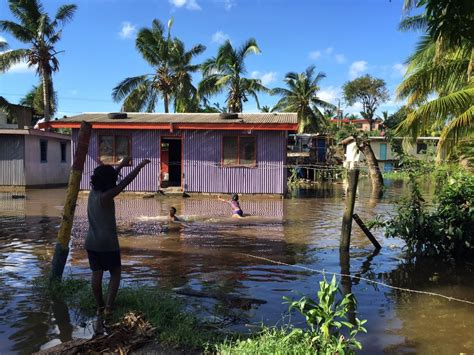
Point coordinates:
[(327, 318)]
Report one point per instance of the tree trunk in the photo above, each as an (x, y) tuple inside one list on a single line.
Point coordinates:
[(374, 171), (166, 100), (46, 77)]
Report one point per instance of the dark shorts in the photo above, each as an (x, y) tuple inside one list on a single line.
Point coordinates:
[(104, 260), (239, 212)]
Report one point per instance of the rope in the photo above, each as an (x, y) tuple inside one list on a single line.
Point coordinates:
[(323, 272)]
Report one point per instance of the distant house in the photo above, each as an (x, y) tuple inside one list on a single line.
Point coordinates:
[(308, 145), (192, 152), (386, 156), (359, 124)]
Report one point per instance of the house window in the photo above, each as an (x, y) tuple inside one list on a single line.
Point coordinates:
[(239, 151), (113, 148), (43, 151), (63, 146), (421, 148)]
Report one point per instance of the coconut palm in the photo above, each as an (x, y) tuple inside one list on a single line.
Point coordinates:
[(35, 99), (226, 71), (171, 78), (301, 96), (441, 67), (41, 32)]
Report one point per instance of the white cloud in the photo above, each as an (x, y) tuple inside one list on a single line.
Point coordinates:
[(399, 69), (220, 37), (188, 4), (2, 39), (357, 68), (314, 55), (329, 50), (265, 78), (128, 30), (340, 58), (21, 67), (329, 94), (228, 4)]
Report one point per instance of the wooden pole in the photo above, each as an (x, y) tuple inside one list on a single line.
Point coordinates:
[(61, 251), (366, 231), (349, 210)]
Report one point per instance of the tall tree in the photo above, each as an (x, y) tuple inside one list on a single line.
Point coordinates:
[(441, 67), (41, 32), (369, 91), (35, 99), (301, 96), (226, 71), (171, 78)]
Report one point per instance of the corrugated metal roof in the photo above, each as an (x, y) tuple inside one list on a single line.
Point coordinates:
[(138, 117), (34, 132)]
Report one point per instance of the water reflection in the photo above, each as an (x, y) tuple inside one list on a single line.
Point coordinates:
[(213, 254)]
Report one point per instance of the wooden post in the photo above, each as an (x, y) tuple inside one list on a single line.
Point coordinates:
[(366, 231), (349, 210), (61, 251)]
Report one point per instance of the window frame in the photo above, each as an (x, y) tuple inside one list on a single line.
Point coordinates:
[(115, 161), (45, 141), (238, 165), (61, 145)]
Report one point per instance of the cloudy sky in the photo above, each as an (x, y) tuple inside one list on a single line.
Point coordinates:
[(343, 38)]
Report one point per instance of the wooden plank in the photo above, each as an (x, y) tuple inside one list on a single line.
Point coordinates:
[(366, 231)]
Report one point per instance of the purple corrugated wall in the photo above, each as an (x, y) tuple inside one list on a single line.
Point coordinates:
[(145, 145), (202, 152), (203, 173)]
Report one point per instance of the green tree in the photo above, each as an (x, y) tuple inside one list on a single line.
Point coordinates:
[(171, 79), (265, 109), (369, 91), (301, 96), (226, 71), (441, 66), (41, 32), (35, 99)]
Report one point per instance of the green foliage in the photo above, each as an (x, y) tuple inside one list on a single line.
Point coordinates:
[(444, 230), (226, 72), (367, 90), (301, 96), (173, 325), (327, 317)]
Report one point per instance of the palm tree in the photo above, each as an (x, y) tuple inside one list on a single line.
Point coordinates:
[(441, 66), (226, 72), (35, 99), (301, 97), (42, 33), (171, 78), (265, 109)]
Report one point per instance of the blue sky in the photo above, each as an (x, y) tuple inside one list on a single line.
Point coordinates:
[(343, 38)]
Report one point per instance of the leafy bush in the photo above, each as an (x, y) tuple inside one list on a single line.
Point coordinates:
[(445, 229)]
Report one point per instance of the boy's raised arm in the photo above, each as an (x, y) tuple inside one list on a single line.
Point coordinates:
[(110, 194)]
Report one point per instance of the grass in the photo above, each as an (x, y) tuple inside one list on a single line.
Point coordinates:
[(177, 328), (165, 312)]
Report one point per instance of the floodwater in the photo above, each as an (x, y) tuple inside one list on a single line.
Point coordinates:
[(216, 255)]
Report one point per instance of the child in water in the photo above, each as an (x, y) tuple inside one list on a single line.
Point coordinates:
[(101, 242), (172, 215), (234, 204)]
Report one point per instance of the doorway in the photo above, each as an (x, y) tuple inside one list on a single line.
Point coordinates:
[(171, 162)]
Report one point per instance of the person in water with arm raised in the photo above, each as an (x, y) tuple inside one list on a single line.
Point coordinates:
[(235, 205), (102, 241)]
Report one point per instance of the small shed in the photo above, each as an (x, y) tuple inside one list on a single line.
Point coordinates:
[(34, 158), (193, 152)]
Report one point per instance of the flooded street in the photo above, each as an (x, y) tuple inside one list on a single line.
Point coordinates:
[(216, 254)]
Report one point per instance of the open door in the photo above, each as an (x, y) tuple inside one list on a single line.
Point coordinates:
[(171, 162)]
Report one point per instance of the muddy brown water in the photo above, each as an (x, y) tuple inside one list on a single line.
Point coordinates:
[(208, 253)]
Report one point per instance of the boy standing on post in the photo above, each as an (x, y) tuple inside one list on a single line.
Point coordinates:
[(102, 243)]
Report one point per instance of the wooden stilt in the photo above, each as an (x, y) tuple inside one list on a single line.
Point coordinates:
[(61, 251), (349, 210), (366, 231)]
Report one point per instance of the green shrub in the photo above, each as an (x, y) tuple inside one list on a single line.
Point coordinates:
[(445, 229)]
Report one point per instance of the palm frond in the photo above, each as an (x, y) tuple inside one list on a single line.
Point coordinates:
[(27, 11), (458, 128), (10, 58), (65, 13), (126, 86), (249, 47), (21, 33), (414, 23)]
